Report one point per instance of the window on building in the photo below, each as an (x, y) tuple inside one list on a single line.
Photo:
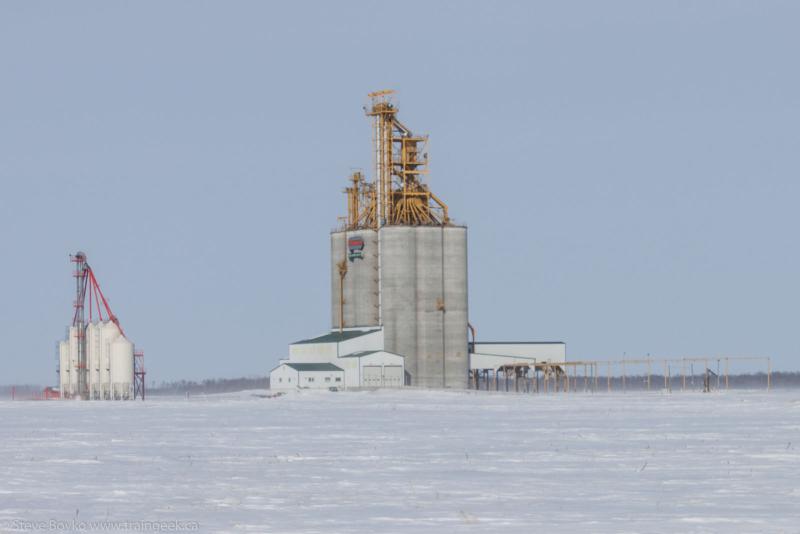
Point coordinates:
[(338, 379), (280, 380), (310, 378)]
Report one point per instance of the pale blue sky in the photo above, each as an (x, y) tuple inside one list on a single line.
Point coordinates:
[(628, 170)]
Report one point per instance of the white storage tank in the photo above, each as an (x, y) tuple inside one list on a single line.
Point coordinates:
[(72, 368), (109, 334), (63, 366), (109, 362), (93, 359), (121, 358)]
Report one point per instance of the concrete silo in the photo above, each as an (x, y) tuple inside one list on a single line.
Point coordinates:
[(356, 300), (424, 301)]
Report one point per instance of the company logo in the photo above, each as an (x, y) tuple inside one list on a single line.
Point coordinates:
[(355, 248)]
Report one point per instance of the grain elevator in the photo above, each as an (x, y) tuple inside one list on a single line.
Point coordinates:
[(97, 361), (398, 271), (399, 262)]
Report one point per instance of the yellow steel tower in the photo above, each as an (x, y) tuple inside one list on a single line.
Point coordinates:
[(397, 196)]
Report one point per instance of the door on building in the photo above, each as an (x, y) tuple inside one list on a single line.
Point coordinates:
[(392, 376), (372, 376)]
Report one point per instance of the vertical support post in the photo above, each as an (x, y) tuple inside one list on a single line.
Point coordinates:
[(669, 371), (769, 373), (624, 377), (575, 378), (585, 378), (683, 374), (727, 367), (648, 373), (608, 377), (665, 375)]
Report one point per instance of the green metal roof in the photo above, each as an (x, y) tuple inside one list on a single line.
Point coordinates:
[(336, 337), (359, 354), (313, 367), (367, 353)]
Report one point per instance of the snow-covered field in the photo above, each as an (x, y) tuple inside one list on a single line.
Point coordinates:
[(408, 461)]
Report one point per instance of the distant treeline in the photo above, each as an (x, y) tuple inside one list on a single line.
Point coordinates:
[(209, 386), (778, 379), (180, 387)]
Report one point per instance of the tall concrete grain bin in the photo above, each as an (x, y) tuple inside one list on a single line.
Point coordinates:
[(424, 301), (398, 294), (357, 298)]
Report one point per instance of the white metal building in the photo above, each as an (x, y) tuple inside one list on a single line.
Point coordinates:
[(357, 354), (306, 376), (374, 368)]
